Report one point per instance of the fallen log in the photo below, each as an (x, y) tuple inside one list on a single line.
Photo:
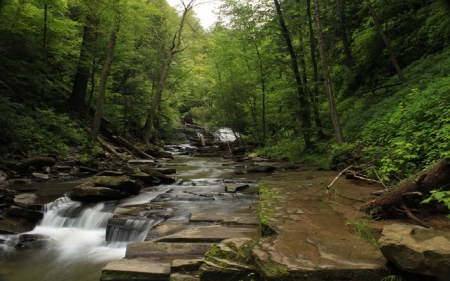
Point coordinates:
[(36, 162), (437, 176), (109, 148), (131, 147)]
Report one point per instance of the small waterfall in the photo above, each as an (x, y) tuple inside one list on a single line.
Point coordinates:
[(122, 230), (224, 135), (64, 212)]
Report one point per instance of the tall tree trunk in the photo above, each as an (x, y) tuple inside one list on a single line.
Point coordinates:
[(263, 89), (44, 41), (340, 6), (326, 76), (387, 42), (102, 87), (304, 105), (315, 95), (175, 48), (78, 95)]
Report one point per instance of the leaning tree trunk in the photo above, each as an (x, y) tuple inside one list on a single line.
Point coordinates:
[(435, 177)]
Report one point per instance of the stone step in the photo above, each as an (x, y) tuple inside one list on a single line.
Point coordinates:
[(212, 234), (162, 250), (183, 277), (136, 269), (181, 265)]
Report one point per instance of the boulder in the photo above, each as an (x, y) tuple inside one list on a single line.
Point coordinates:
[(157, 175), (88, 192), (15, 225), (31, 215), (122, 183), (41, 176), (261, 169), (27, 200), (416, 249), (233, 188)]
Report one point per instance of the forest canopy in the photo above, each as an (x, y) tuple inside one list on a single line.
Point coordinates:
[(327, 81)]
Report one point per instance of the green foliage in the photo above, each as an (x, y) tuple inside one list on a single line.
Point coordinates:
[(37, 131), (289, 148), (439, 196)]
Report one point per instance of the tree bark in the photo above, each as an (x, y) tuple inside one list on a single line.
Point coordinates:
[(435, 177), (102, 87), (315, 95), (304, 105), (387, 42), (175, 48), (340, 6), (326, 76)]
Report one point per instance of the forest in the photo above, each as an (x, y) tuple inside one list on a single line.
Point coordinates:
[(331, 82)]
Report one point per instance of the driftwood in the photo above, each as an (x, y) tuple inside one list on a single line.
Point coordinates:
[(435, 177), (336, 178), (131, 147)]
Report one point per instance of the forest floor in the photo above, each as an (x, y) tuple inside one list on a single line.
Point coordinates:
[(318, 236)]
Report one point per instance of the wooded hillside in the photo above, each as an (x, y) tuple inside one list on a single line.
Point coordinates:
[(309, 80)]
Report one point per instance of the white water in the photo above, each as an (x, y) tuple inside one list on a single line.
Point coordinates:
[(224, 135)]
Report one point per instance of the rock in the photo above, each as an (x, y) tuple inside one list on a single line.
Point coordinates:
[(166, 171), (261, 169), (183, 277), (110, 174), (3, 176), (155, 174), (232, 258), (87, 169), (141, 162), (135, 269), (31, 215), (122, 183), (63, 168), (88, 192), (27, 200), (229, 187), (36, 162), (160, 249), (21, 181), (186, 265), (210, 234), (128, 229), (27, 238), (15, 225), (416, 249), (40, 176)]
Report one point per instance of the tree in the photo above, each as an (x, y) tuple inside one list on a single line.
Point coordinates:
[(104, 77), (326, 76), (176, 47), (304, 110), (387, 42)]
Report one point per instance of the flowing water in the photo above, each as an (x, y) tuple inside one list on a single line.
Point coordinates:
[(76, 244)]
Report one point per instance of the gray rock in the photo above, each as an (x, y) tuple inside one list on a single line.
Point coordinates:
[(21, 181), (416, 249), (122, 183), (28, 214), (135, 269), (160, 249), (185, 265), (88, 192), (41, 176), (141, 162), (15, 225), (261, 169), (183, 277), (27, 200), (230, 187)]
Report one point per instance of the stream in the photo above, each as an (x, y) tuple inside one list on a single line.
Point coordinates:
[(76, 244)]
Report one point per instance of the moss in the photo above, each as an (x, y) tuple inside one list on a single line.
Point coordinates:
[(274, 271)]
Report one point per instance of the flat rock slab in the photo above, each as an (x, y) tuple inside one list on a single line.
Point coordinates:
[(160, 249), (186, 265), (230, 187), (215, 233), (312, 236), (183, 277), (135, 269), (226, 218), (141, 162)]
